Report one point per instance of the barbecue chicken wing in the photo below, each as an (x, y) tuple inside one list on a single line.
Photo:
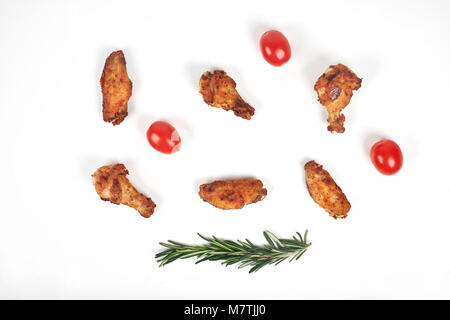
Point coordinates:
[(219, 91), (232, 194), (325, 192), (116, 88), (112, 185), (335, 89)]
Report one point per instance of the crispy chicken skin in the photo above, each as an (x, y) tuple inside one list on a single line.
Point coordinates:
[(325, 192), (116, 88), (232, 194), (112, 185), (219, 91), (335, 89)]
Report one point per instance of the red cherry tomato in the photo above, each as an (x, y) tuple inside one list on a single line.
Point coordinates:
[(164, 137), (275, 48), (386, 156)]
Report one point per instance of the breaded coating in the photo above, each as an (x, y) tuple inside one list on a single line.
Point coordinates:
[(325, 192), (335, 89), (116, 88), (232, 194), (112, 185), (219, 91)]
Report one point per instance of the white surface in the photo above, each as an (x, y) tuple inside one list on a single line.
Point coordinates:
[(58, 240)]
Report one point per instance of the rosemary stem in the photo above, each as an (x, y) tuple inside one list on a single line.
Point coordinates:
[(243, 253)]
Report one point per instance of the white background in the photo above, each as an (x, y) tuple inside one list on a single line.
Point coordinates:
[(59, 240)]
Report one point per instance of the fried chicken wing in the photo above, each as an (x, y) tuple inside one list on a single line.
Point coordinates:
[(112, 185), (325, 192), (116, 88), (232, 194), (219, 91), (335, 89)]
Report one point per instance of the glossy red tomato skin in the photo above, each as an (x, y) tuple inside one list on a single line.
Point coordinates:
[(275, 48), (164, 137), (387, 157)]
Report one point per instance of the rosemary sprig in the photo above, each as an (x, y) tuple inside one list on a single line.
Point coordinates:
[(230, 252)]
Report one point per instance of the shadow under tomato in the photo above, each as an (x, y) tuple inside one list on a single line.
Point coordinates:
[(369, 140)]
